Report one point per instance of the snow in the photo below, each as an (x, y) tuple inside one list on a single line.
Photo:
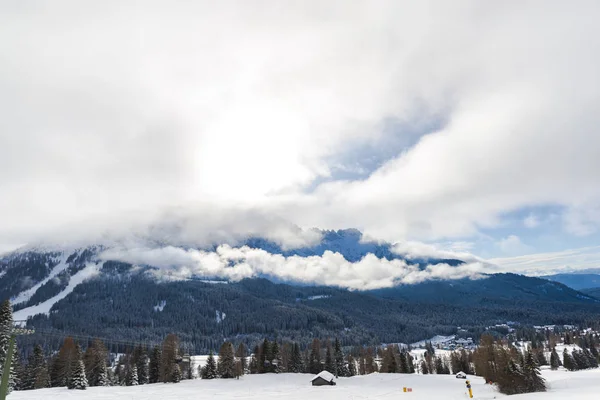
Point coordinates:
[(26, 295), (328, 376), (220, 316), (583, 385), (322, 296), (89, 271), (435, 340), (160, 306)]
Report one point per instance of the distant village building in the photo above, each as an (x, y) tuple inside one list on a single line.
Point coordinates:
[(324, 378)]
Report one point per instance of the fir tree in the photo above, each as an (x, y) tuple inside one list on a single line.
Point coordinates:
[(154, 368), (340, 364), (37, 370), (140, 358), (329, 364), (554, 359), (131, 377), (170, 353), (296, 364), (439, 366), (95, 364), (534, 380), (210, 369), (241, 355), (77, 380), (424, 369), (6, 327), (226, 363), (175, 374), (351, 366), (276, 364), (314, 363)]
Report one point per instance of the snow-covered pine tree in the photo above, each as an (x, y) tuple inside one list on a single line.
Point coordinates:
[(296, 360), (141, 362), (340, 362), (210, 369), (351, 365), (424, 369), (176, 374), (226, 363), (6, 326), (154, 367), (131, 377), (78, 379)]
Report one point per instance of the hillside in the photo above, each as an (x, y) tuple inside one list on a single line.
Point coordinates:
[(577, 281), (78, 292)]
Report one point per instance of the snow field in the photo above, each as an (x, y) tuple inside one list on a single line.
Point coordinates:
[(582, 385)]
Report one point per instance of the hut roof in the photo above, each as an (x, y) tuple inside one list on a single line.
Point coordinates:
[(328, 376)]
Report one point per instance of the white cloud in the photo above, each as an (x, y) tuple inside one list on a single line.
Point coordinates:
[(551, 262), (413, 249), (331, 269), (512, 244), (531, 221), (130, 106)]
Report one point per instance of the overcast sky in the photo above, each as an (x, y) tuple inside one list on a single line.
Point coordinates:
[(470, 125)]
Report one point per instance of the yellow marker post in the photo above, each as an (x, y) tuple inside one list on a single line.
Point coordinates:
[(469, 387)]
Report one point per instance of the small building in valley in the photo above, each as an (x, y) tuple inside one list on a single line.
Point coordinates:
[(323, 378)]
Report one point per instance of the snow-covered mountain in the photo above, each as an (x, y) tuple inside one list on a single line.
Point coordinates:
[(341, 284)]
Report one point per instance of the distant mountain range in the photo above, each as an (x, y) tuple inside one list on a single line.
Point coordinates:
[(577, 281), (77, 291)]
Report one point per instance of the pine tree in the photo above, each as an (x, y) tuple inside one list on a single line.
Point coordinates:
[(351, 366), (265, 358), (424, 369), (140, 358), (535, 382), (170, 353), (568, 361), (37, 370), (314, 364), (329, 362), (6, 326), (63, 363), (241, 355), (131, 377), (296, 359), (155, 363), (94, 361), (77, 380), (175, 374), (340, 364), (210, 369), (275, 361), (439, 366), (226, 363), (554, 359)]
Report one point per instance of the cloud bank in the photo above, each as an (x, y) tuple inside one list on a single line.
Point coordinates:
[(331, 269), (125, 108)]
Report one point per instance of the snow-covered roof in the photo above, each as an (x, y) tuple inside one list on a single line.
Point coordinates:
[(328, 376)]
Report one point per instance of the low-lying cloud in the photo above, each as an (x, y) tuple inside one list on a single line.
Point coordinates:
[(330, 269)]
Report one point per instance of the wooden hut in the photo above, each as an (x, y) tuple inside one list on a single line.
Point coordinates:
[(324, 378)]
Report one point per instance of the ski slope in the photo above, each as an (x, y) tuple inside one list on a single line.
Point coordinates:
[(581, 385)]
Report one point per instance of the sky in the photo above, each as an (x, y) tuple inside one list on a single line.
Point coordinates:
[(470, 126)]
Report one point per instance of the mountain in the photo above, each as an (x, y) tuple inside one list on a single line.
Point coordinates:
[(81, 292), (594, 292), (577, 281)]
